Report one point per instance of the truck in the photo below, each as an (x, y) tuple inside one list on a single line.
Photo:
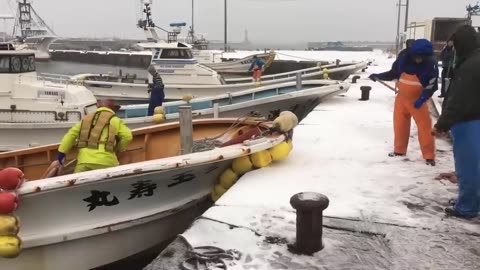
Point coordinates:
[(437, 30)]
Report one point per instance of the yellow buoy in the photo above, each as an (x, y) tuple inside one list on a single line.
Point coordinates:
[(9, 225), (159, 110), (261, 159), (220, 190), (290, 143), (10, 246), (215, 196), (242, 165), (158, 118), (228, 178), (280, 151)]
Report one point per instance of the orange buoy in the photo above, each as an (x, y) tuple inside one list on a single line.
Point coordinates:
[(11, 178), (8, 203)]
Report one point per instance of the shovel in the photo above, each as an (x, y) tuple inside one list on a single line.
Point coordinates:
[(386, 85)]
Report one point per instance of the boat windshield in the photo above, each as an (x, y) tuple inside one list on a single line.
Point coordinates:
[(173, 54), (17, 63)]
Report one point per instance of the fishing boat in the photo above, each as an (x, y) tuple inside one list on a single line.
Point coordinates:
[(81, 221), (137, 91), (340, 71), (265, 102), (241, 66)]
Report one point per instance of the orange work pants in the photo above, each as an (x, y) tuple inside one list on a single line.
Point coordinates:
[(402, 115), (257, 73)]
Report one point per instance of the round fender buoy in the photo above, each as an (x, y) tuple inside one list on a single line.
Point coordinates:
[(11, 178), (10, 246), (8, 203), (159, 110), (158, 118), (9, 225)]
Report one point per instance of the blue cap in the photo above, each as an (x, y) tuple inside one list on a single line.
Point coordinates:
[(422, 47)]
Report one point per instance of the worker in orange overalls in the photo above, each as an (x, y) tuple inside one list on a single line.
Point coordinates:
[(257, 67), (417, 75)]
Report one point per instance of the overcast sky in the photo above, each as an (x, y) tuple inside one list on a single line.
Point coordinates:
[(266, 20)]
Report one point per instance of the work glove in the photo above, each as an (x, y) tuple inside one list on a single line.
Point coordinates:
[(373, 77), (61, 157), (419, 102)]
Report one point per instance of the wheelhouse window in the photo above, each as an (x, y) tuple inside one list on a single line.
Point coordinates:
[(176, 54), (17, 63)]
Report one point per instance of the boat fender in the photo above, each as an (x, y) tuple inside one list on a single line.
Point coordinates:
[(159, 110), (187, 98), (158, 118), (220, 190), (286, 121), (11, 178), (280, 151), (215, 196), (261, 159), (8, 203), (9, 225), (10, 246), (242, 165), (228, 178), (254, 141), (326, 74)]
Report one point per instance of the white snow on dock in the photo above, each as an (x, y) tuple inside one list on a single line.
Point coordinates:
[(340, 150)]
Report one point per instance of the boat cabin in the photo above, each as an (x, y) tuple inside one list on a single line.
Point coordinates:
[(12, 61)]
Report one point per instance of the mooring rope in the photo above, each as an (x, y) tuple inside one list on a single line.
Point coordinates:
[(210, 258)]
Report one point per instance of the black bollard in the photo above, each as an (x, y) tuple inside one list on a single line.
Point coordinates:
[(365, 92), (355, 78), (337, 62), (309, 206)]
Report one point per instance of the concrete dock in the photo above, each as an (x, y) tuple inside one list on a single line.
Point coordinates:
[(384, 213)]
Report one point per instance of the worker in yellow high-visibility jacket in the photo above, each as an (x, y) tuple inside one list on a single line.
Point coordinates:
[(98, 137)]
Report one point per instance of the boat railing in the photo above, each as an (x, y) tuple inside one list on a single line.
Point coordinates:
[(47, 81)]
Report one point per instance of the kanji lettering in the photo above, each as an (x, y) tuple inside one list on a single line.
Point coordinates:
[(100, 198), (142, 188), (182, 178)]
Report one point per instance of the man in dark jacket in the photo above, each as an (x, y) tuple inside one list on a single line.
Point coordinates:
[(447, 56), (461, 115), (157, 94)]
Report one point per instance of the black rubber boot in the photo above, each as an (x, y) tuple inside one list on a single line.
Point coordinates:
[(451, 212), (394, 154), (430, 162)]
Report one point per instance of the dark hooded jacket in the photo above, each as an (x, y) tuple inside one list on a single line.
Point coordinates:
[(462, 102)]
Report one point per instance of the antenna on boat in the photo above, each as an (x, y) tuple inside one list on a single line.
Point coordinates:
[(149, 26), (29, 23)]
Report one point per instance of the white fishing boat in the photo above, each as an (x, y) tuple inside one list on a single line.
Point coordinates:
[(33, 130), (137, 91), (87, 220), (335, 72), (241, 66)]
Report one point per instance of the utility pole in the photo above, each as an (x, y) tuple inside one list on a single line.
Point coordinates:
[(193, 16), (226, 43), (407, 6), (398, 27)]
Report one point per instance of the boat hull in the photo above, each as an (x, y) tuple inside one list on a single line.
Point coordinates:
[(300, 102), (125, 93), (58, 228)]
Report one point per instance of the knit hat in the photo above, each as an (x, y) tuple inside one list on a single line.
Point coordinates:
[(422, 47)]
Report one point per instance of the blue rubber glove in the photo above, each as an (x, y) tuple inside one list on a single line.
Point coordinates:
[(373, 77), (61, 157), (419, 102)]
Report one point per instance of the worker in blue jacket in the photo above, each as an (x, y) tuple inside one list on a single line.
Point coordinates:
[(417, 75), (157, 93)]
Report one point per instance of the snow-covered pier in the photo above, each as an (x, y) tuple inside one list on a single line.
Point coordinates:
[(384, 213)]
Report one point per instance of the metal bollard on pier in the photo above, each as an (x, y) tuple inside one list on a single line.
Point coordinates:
[(299, 80), (310, 207), (365, 93)]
